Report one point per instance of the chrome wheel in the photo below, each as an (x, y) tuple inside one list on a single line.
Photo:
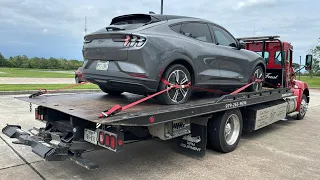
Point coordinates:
[(303, 107), (232, 129), (258, 74), (178, 77)]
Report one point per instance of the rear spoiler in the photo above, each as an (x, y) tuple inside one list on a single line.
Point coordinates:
[(152, 17)]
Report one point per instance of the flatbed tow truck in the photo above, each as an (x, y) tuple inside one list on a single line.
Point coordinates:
[(73, 127)]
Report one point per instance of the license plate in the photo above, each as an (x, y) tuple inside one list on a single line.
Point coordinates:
[(90, 136), (102, 65)]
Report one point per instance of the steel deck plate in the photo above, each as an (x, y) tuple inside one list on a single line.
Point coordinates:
[(89, 105)]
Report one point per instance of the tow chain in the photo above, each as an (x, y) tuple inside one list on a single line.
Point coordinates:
[(44, 91)]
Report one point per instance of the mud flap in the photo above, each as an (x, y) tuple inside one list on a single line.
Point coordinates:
[(194, 144)]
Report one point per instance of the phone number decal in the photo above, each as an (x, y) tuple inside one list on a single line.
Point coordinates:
[(235, 104)]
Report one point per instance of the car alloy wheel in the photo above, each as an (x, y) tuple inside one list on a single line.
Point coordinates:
[(257, 74), (175, 74), (180, 78)]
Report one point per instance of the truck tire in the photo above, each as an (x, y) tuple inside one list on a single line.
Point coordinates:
[(224, 131), (110, 92), (303, 107)]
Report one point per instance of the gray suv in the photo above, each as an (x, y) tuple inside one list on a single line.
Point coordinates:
[(135, 51)]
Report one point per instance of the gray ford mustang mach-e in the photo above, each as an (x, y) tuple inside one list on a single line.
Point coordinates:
[(135, 51)]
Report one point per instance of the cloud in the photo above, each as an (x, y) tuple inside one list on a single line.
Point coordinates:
[(44, 31), (63, 21), (248, 3)]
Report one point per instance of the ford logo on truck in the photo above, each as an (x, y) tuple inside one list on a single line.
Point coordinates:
[(269, 76)]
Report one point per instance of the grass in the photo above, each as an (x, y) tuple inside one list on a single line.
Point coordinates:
[(24, 87), (312, 82), (35, 73)]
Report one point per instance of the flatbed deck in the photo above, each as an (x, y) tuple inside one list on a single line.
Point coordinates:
[(89, 105)]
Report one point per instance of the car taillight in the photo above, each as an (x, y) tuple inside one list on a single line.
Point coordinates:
[(134, 40)]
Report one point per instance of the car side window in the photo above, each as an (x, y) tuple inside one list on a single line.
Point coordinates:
[(199, 31), (223, 37)]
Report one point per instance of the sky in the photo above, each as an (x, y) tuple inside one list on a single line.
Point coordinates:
[(55, 28)]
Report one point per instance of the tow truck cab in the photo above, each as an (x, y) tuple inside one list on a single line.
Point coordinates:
[(278, 56)]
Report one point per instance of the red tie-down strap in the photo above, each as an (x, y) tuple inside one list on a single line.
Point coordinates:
[(244, 87), (117, 108)]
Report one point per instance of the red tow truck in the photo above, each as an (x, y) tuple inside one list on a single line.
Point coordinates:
[(72, 125)]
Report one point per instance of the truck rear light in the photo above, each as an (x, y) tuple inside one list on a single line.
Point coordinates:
[(101, 137), (107, 140), (36, 114), (120, 142), (110, 139), (113, 142)]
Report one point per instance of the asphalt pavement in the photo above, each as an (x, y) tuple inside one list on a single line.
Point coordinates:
[(284, 150)]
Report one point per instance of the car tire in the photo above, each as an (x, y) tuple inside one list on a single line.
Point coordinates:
[(175, 96), (303, 107), (110, 92), (230, 121), (257, 73)]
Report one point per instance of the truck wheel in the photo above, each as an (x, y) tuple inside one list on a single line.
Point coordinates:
[(303, 107), (257, 73), (175, 74), (110, 92), (224, 131)]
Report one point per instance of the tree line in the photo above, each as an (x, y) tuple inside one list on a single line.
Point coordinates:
[(39, 63)]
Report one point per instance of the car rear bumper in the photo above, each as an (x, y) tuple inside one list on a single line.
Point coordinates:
[(121, 81)]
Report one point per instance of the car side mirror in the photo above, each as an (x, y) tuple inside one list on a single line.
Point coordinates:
[(308, 64), (242, 45)]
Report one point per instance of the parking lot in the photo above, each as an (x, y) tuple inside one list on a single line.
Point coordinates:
[(285, 150)]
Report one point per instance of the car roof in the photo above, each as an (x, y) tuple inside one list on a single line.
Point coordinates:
[(163, 17)]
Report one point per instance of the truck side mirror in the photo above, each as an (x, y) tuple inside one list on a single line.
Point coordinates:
[(242, 45), (308, 64)]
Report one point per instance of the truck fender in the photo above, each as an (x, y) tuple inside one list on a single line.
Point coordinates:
[(299, 89)]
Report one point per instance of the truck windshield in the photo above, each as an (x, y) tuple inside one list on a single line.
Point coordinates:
[(266, 55)]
